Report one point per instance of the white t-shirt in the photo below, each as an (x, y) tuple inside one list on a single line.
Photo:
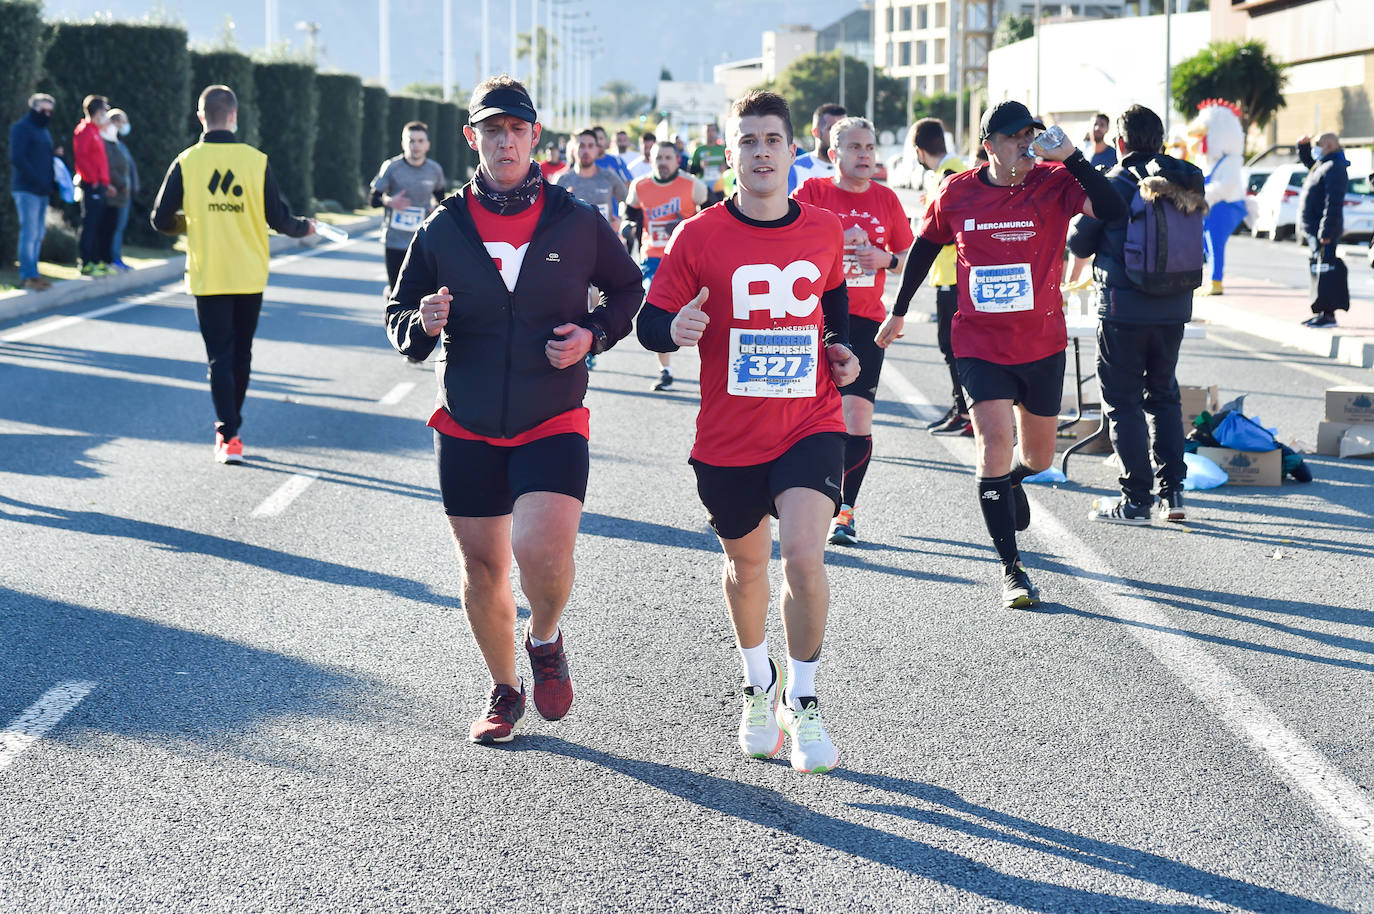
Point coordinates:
[(808, 165)]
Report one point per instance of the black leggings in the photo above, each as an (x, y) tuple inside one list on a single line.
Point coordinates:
[(227, 324)]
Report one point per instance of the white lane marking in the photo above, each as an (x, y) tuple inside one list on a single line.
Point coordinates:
[(1287, 361), (33, 330), (286, 493), (915, 401), (397, 393), (1324, 786), (40, 717)]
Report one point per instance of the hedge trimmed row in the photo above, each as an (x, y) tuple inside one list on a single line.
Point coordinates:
[(339, 137), (22, 36), (326, 134)]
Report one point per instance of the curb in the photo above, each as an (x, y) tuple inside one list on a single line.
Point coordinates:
[(72, 291), (1357, 351)]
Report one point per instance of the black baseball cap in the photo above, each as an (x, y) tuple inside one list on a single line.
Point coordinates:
[(503, 100), (1008, 117)]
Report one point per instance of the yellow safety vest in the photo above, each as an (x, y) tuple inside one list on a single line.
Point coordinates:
[(945, 270), (226, 222)]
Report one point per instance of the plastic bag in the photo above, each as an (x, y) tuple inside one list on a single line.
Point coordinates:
[(1202, 473), (1241, 433), (63, 177), (1049, 475)]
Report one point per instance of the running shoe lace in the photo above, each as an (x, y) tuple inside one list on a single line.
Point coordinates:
[(550, 665), (501, 706), (756, 705), (809, 726)]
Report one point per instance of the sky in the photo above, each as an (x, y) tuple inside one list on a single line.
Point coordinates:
[(688, 38)]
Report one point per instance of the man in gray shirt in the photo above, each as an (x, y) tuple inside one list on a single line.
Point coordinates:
[(409, 186), (600, 187)]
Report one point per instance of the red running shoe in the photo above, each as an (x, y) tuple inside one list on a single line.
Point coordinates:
[(505, 707), (553, 691)]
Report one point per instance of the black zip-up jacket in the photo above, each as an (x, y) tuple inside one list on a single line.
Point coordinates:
[(1117, 299), (497, 380), (1321, 202)]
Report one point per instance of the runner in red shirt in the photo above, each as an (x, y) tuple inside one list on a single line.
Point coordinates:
[(757, 284), (1008, 221), (877, 235)]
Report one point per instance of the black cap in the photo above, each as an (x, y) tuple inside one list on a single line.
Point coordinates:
[(1008, 117), (503, 100)]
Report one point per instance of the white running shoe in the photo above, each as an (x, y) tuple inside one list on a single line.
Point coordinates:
[(812, 750), (759, 735)]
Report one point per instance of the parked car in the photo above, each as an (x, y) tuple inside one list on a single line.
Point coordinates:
[(1278, 206), (900, 170)]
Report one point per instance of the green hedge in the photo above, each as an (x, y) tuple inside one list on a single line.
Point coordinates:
[(144, 69), (21, 48), (444, 139), (338, 137), (287, 111), (373, 142), (467, 159), (400, 109), (225, 67)]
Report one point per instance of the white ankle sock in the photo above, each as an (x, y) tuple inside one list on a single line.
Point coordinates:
[(758, 672), (801, 679), (535, 642)]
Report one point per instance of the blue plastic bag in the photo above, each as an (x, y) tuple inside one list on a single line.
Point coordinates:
[(1202, 473), (1049, 475), (1241, 433), (64, 180)]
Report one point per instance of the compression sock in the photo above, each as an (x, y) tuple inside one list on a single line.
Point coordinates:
[(994, 497), (1019, 470), (960, 405), (801, 679), (857, 451), (758, 672)]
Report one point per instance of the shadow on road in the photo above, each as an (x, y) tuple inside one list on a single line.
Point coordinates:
[(941, 808), (155, 680)]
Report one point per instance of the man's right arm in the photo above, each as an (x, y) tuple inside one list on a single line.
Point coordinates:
[(278, 213), (1305, 155), (404, 325), (166, 216)]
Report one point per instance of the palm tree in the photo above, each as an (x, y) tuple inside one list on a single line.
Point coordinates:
[(620, 92)]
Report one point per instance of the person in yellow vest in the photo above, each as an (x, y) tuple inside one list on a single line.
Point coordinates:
[(659, 202), (222, 195), (927, 139)]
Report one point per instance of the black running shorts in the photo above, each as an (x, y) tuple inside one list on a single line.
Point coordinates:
[(1037, 386), (737, 498), (870, 356), (477, 479)]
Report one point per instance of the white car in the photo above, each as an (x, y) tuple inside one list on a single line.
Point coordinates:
[(902, 170), (1278, 205)]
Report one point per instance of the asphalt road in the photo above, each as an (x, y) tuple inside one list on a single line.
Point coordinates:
[(248, 689)]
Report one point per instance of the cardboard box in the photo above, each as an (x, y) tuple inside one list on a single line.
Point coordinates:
[(1352, 404), (1247, 468), (1329, 437), (1066, 438), (1195, 400)]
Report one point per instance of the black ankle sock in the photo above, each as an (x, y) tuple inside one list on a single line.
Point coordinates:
[(857, 451), (1019, 472), (994, 497)]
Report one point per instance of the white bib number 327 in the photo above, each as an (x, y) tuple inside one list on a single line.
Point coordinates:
[(1006, 287), (773, 363)]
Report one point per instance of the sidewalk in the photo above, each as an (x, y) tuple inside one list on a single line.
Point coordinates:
[(19, 303), (1275, 312)]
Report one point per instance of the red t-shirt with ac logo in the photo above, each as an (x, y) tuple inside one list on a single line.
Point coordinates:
[(765, 380), (1010, 245), (874, 217), (506, 239)]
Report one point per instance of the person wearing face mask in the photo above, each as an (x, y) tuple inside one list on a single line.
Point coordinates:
[(124, 177), (31, 184), (221, 193), (93, 179)]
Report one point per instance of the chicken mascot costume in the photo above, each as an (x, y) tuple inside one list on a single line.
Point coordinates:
[(1221, 148)]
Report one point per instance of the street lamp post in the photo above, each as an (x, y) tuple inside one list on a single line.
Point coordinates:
[(447, 79), (485, 65), (384, 43)]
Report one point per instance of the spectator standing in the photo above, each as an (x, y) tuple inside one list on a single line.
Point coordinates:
[(221, 193), (1320, 207), (93, 179), (1139, 334), (31, 185), (409, 186), (1101, 155), (124, 179)]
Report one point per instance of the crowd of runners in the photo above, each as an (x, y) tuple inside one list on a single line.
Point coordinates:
[(771, 264)]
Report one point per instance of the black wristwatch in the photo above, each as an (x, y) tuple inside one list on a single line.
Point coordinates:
[(893, 264), (598, 339)]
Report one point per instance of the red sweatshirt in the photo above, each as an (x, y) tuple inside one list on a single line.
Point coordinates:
[(89, 150)]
